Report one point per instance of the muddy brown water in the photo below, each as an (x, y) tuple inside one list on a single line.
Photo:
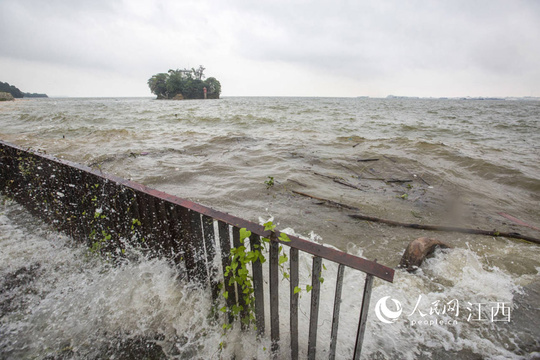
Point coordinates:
[(456, 162)]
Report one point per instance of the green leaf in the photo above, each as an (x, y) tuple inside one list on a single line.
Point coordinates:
[(244, 233), (308, 288), (284, 237), (269, 226), (283, 259), (297, 289), (226, 294), (321, 279)]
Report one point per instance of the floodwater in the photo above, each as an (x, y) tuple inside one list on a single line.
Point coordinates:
[(465, 163)]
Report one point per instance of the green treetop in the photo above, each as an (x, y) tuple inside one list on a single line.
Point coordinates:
[(184, 84)]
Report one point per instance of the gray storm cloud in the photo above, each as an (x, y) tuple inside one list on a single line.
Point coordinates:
[(361, 40), (378, 37)]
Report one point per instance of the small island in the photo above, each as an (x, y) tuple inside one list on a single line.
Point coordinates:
[(16, 93), (184, 84)]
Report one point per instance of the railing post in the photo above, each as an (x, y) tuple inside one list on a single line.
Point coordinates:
[(314, 313), (241, 300), (209, 245), (363, 317), (225, 243), (294, 303), (274, 296), (335, 316), (258, 290)]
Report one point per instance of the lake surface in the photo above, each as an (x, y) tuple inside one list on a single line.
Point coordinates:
[(458, 162)]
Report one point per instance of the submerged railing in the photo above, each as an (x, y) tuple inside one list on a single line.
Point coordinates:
[(104, 210)]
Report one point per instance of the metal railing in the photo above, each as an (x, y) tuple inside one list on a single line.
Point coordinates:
[(103, 209)]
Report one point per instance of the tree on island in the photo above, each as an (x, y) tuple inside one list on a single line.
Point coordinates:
[(184, 84)]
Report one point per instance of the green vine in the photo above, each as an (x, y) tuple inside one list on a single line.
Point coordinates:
[(239, 274)]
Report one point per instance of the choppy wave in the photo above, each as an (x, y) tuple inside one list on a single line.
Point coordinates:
[(480, 158)]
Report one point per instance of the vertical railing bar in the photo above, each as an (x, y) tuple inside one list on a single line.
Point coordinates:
[(123, 215), (225, 242), (241, 301), (45, 196), (63, 195), (151, 238), (109, 223), (314, 313), (236, 244), (177, 239), (84, 205), (294, 303), (52, 198), (186, 242), (236, 236), (143, 213), (78, 196), (197, 243), (62, 223), (38, 190), (3, 168), (210, 246), (335, 317), (114, 217), (363, 317), (164, 226), (119, 217), (258, 284), (274, 296), (48, 194), (136, 215), (16, 181)]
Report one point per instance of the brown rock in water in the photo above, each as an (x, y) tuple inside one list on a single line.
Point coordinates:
[(418, 250), (178, 97)]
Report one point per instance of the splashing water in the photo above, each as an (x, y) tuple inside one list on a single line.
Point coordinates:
[(58, 300)]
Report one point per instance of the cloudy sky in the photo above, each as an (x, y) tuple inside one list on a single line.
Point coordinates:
[(274, 48)]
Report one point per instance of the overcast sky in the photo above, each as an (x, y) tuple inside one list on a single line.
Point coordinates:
[(274, 48)]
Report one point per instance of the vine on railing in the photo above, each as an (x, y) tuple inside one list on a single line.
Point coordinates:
[(239, 274)]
